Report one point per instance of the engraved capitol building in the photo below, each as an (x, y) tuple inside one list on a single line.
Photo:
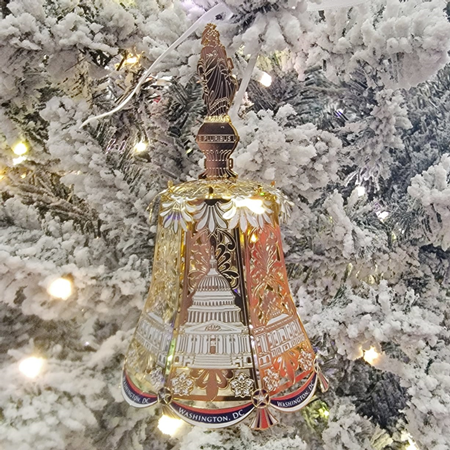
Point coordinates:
[(214, 336)]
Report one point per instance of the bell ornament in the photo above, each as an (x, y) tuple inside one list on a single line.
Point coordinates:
[(219, 337)]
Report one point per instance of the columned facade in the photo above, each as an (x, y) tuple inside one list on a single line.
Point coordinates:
[(213, 335)]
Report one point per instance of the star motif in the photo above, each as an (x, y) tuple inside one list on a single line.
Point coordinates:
[(261, 398)]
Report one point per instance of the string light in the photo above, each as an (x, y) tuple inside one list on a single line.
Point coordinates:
[(20, 149), (411, 445), (60, 288), (371, 356), (360, 190), (265, 79), (132, 60), (169, 425), (18, 160), (31, 367), (383, 215), (140, 147)]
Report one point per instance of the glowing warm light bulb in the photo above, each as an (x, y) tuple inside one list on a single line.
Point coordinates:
[(411, 445), (132, 60), (60, 288), (169, 425), (265, 79), (253, 204), (18, 160), (20, 149), (140, 147), (371, 356), (31, 367), (360, 190), (383, 215)]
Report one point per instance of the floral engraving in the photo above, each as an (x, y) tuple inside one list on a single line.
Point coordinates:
[(246, 211), (209, 215), (306, 360), (271, 380), (242, 385), (156, 378), (286, 207), (182, 384), (176, 213)]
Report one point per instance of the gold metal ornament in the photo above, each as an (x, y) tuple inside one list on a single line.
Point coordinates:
[(220, 338)]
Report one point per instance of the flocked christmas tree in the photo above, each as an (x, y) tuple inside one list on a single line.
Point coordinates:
[(353, 128)]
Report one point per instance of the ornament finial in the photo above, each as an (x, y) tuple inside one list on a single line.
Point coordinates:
[(217, 138), (214, 69)]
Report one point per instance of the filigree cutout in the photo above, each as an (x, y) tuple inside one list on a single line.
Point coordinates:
[(269, 286), (226, 256), (211, 380)]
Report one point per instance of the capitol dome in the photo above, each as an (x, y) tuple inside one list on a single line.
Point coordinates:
[(213, 280)]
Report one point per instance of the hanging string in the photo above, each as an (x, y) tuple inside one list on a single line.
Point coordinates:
[(207, 17), (244, 84)]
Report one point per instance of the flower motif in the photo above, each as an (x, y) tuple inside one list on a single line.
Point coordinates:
[(156, 378), (182, 384), (286, 207), (306, 360), (209, 215), (245, 211), (271, 380), (242, 385), (176, 212)]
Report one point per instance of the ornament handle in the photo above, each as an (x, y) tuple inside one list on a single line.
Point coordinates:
[(217, 138)]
